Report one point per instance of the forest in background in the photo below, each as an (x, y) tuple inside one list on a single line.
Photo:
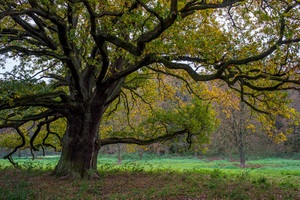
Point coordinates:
[(223, 143)]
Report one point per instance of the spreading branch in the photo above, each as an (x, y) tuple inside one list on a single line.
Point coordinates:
[(115, 140)]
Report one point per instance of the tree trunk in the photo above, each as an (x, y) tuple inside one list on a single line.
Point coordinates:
[(242, 150), (81, 141), (119, 154), (80, 147), (195, 154), (141, 151), (242, 130)]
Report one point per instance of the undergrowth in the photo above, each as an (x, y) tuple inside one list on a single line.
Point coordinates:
[(156, 178)]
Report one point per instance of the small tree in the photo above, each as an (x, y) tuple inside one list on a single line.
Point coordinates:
[(87, 49), (237, 121)]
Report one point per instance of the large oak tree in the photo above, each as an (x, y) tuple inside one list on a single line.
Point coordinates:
[(86, 49)]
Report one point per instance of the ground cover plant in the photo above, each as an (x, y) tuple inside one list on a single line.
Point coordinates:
[(156, 178)]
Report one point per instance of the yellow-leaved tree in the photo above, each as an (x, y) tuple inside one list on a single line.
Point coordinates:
[(238, 120)]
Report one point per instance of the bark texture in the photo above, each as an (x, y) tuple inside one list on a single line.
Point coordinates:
[(80, 147)]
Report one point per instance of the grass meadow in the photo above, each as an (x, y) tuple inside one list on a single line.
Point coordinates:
[(155, 177)]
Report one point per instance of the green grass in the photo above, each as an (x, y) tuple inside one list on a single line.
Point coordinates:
[(277, 168), (159, 178)]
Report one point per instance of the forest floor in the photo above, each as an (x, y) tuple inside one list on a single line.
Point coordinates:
[(157, 178)]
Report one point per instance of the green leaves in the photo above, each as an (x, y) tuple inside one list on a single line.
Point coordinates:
[(196, 117), (14, 89)]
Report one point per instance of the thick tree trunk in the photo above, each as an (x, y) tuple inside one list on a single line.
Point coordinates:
[(81, 141), (80, 147)]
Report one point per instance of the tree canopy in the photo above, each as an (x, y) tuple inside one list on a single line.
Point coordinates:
[(75, 57)]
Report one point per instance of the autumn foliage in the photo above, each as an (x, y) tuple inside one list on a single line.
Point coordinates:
[(79, 60)]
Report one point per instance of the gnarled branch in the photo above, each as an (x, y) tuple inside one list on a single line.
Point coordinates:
[(116, 140)]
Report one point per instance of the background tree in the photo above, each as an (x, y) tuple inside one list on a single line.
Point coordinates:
[(292, 145), (87, 49), (242, 129), (164, 106)]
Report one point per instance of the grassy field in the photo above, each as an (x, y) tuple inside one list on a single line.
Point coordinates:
[(156, 178)]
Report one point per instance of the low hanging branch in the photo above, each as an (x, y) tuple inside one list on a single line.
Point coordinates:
[(37, 131), (115, 140), (9, 156), (19, 123), (50, 132), (189, 139)]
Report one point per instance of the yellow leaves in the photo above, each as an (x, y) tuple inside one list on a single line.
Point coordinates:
[(130, 148), (278, 124), (280, 138), (275, 125), (226, 98), (227, 113), (107, 128), (251, 127), (215, 1), (290, 113)]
